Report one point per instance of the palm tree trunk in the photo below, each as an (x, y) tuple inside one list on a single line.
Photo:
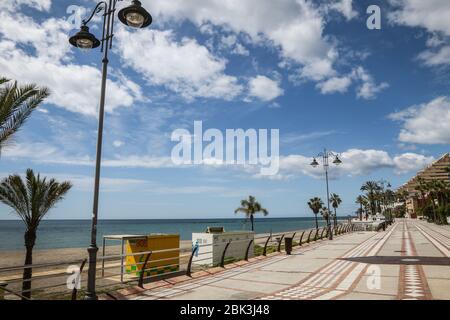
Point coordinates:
[(251, 220), (335, 218), (360, 213), (317, 224), (30, 239)]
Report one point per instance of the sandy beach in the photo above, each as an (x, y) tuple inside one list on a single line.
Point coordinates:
[(16, 257), (11, 258)]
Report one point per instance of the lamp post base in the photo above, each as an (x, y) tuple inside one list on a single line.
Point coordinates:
[(90, 293)]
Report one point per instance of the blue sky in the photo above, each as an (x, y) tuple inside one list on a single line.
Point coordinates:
[(311, 69)]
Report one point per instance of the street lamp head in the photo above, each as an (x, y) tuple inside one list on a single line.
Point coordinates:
[(314, 163), (83, 39), (135, 15), (337, 161)]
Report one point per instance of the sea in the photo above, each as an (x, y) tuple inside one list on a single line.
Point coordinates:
[(76, 233)]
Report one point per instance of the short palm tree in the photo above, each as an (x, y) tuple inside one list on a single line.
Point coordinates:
[(335, 201), (315, 204), (31, 199), (250, 207), (16, 105)]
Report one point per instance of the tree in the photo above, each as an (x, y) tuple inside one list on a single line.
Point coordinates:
[(315, 204), (335, 201), (250, 207), (372, 189), (31, 199), (16, 105), (362, 201)]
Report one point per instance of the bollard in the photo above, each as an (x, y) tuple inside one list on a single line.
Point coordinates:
[(248, 249), (301, 238), (309, 236), (265, 245), (222, 261), (189, 266), (279, 243), (2, 291), (142, 274)]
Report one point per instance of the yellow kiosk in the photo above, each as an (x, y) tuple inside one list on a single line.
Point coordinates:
[(160, 263)]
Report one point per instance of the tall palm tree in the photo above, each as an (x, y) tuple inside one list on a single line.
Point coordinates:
[(250, 207), (362, 201), (315, 204), (335, 201), (31, 199), (372, 189), (16, 105)]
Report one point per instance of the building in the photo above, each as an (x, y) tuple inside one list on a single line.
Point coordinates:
[(435, 171)]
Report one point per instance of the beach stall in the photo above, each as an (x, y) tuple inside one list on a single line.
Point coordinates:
[(164, 248), (211, 245)]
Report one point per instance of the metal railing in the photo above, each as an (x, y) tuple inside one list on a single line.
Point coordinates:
[(52, 281)]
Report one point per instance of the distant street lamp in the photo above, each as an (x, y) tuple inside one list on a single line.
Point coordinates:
[(134, 16), (325, 157)]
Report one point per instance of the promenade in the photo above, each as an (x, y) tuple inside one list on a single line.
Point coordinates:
[(408, 261)]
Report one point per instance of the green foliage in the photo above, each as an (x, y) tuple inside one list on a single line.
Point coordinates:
[(250, 207), (16, 105), (400, 211)]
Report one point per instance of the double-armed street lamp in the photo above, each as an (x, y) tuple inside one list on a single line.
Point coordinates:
[(325, 155), (134, 16)]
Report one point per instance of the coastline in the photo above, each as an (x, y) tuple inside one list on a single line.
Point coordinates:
[(9, 258)]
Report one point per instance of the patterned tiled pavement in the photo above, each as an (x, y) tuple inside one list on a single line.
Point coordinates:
[(410, 260)]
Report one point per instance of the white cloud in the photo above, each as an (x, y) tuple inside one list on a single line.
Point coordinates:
[(355, 162), (232, 45), (346, 8), (435, 57), (41, 5), (411, 162), (369, 88), (264, 88), (118, 143), (296, 27), (335, 84), (184, 66), (73, 87), (432, 15), (426, 123)]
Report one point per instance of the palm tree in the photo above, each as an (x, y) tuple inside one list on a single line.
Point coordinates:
[(325, 214), (315, 204), (31, 199), (16, 105), (372, 189), (335, 201), (250, 207), (362, 201)]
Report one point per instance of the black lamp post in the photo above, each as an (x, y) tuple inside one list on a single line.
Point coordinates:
[(325, 157), (134, 16)]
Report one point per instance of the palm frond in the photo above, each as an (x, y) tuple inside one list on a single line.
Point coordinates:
[(31, 198), (16, 105)]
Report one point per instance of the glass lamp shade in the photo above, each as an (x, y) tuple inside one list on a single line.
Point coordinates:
[(84, 39), (135, 15), (337, 161), (314, 163), (135, 19)]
